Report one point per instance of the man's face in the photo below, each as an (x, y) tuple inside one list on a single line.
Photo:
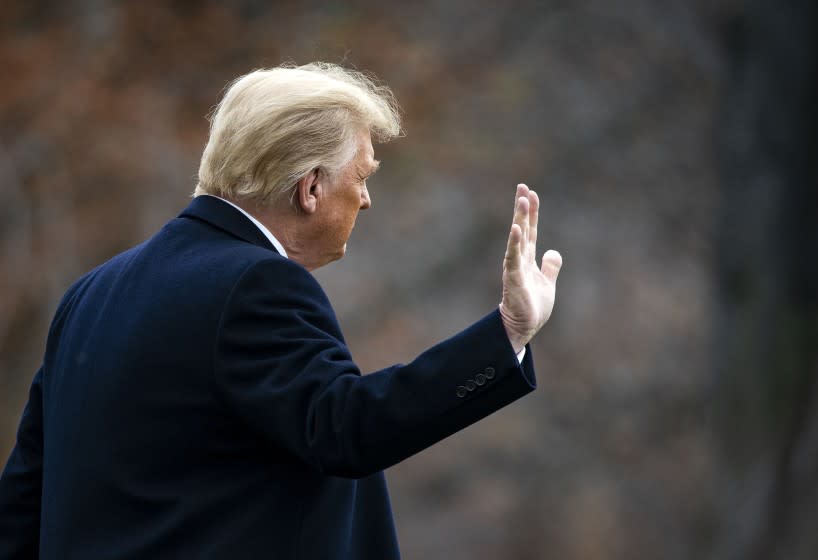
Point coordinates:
[(344, 196)]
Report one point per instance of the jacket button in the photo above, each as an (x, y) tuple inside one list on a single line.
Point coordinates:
[(489, 371), (461, 391), (470, 385), (480, 379)]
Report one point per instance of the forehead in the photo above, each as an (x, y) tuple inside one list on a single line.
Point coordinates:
[(365, 148), (365, 153)]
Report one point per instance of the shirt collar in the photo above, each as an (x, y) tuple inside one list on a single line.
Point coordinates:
[(267, 233)]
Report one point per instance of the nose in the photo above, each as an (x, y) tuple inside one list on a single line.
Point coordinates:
[(365, 201)]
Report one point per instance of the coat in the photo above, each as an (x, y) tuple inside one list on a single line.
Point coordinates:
[(197, 400)]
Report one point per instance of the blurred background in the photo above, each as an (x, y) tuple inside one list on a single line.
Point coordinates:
[(673, 145)]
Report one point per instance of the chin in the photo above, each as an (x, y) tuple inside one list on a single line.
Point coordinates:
[(338, 255)]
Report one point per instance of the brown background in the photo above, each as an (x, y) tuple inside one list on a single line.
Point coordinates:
[(610, 110)]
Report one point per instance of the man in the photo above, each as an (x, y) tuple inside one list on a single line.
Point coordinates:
[(196, 397)]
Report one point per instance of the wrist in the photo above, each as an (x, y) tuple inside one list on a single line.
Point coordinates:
[(516, 345), (516, 340)]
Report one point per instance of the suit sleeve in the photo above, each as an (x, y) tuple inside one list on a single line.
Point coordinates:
[(21, 482), (282, 364)]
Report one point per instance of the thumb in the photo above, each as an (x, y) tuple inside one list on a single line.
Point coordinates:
[(551, 264)]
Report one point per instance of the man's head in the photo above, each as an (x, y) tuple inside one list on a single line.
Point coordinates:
[(317, 233), (274, 127)]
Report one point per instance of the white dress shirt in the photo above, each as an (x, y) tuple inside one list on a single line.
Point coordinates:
[(280, 248)]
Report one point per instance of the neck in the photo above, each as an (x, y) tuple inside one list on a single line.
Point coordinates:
[(287, 226)]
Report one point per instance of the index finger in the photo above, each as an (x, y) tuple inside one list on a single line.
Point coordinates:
[(516, 236), (533, 218), (521, 212), (512, 258)]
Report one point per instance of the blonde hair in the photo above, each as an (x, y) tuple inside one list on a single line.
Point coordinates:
[(273, 126)]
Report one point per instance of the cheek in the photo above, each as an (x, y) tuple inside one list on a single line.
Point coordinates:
[(343, 222), (340, 219), (349, 222), (351, 209)]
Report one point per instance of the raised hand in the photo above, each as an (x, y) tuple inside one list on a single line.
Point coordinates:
[(528, 290)]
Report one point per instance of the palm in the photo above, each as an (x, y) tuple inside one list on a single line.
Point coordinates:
[(528, 290)]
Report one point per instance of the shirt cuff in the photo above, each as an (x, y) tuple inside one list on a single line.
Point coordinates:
[(521, 355)]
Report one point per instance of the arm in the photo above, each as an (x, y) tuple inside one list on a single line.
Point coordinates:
[(281, 363), (21, 483)]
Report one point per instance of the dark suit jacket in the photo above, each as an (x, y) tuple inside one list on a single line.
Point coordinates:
[(197, 400)]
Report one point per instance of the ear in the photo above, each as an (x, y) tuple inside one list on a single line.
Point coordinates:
[(309, 189)]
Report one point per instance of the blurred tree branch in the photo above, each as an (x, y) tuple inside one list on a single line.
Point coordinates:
[(768, 282)]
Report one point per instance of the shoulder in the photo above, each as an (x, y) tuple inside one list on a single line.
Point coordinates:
[(274, 279), (278, 291)]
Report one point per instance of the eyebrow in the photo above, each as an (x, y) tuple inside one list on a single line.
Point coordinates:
[(372, 170)]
